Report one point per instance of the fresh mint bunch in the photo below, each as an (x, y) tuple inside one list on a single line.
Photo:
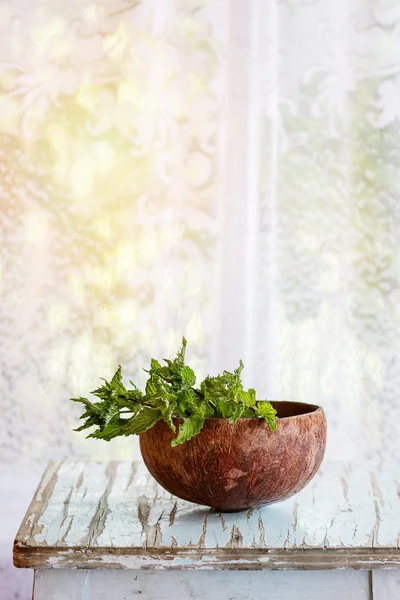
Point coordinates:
[(170, 393)]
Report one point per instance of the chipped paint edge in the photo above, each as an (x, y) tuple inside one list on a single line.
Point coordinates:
[(191, 559)]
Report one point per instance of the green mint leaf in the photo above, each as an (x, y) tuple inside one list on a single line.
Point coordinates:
[(180, 357), (188, 377), (116, 427), (112, 412), (251, 397), (146, 419), (236, 413), (267, 412), (223, 408), (154, 365), (117, 378), (90, 407), (88, 423), (190, 427), (170, 393)]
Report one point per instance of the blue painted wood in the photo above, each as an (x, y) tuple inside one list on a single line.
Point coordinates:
[(115, 515), (75, 584)]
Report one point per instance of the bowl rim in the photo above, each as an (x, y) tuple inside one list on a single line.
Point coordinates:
[(316, 409)]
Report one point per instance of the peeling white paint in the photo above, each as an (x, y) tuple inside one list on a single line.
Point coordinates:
[(117, 515)]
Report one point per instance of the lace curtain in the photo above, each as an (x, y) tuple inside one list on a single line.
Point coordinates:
[(225, 170)]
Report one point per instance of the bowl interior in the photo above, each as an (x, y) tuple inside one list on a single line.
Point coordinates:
[(287, 409)]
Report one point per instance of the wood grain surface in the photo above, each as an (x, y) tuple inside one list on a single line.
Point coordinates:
[(114, 515)]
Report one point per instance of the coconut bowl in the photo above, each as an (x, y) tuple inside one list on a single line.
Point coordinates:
[(241, 466)]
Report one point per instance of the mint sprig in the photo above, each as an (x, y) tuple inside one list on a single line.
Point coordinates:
[(170, 392)]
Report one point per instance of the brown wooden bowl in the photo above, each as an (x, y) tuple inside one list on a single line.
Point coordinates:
[(240, 466)]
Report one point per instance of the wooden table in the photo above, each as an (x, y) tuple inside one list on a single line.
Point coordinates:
[(105, 531)]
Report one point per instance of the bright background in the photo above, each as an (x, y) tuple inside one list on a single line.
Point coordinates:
[(223, 170)]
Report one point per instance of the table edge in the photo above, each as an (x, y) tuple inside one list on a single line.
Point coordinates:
[(191, 559)]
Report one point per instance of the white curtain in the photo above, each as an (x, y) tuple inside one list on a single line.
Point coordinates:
[(223, 170), (312, 209)]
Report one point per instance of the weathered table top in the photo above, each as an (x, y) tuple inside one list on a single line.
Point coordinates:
[(114, 515)]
